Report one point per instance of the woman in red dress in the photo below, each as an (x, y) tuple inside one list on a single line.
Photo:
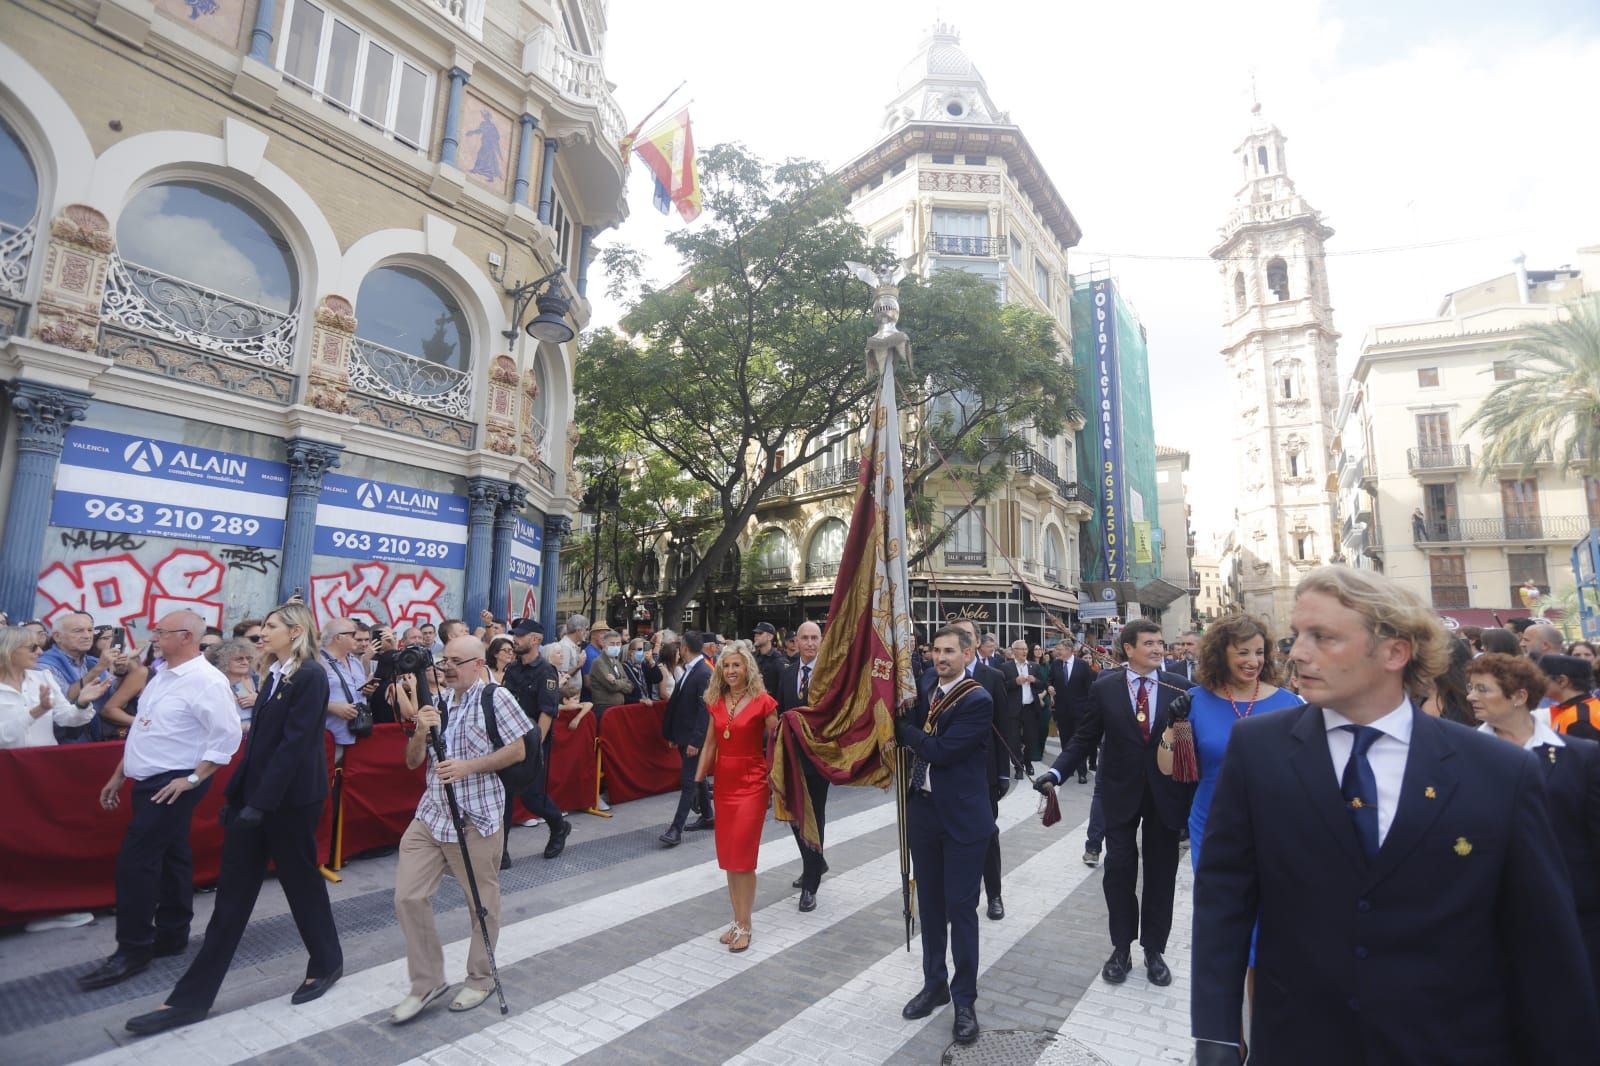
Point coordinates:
[(743, 716)]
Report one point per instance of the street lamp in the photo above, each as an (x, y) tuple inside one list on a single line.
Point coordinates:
[(549, 296)]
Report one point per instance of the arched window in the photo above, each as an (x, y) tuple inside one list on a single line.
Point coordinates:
[(1278, 278), (539, 409), (19, 210), (1261, 159), (1054, 556), (1238, 292), (412, 343), (825, 551), (201, 264), (774, 557)]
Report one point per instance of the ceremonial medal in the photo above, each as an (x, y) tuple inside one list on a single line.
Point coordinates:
[(727, 734), (1139, 717), (1463, 847)]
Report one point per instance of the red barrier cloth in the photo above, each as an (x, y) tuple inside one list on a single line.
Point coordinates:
[(635, 759), (573, 782), (380, 794)]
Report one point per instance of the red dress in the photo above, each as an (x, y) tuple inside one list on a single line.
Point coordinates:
[(741, 793)]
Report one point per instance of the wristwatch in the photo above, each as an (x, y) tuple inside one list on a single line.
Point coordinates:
[(193, 779)]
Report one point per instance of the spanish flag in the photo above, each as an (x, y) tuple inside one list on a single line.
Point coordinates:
[(668, 150)]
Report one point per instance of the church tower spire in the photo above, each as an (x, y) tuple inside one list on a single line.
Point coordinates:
[(1280, 348)]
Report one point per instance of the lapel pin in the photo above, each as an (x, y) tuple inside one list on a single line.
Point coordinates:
[(1463, 846), (1551, 751), (1430, 793), (1356, 803)]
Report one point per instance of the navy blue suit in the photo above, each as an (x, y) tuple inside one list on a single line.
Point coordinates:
[(1572, 779), (1458, 945), (685, 726), (1072, 694), (950, 830)]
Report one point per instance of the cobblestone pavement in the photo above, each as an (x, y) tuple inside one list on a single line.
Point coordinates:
[(609, 955)]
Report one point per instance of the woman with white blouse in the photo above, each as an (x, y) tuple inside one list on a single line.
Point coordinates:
[(31, 700)]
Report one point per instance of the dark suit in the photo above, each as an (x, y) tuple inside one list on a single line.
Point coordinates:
[(1019, 724), (1182, 667), (685, 726), (1072, 695), (537, 687), (1572, 780), (1000, 770), (949, 833), (1137, 800), (1458, 944), (284, 774), (812, 864)]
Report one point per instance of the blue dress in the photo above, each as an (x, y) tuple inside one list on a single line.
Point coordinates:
[(1213, 718)]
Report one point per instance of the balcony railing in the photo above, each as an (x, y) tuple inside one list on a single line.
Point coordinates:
[(956, 244), (960, 558), (1075, 491), (822, 571), (1028, 461), (1052, 574), (380, 371), (773, 573), (829, 476), (468, 14), (1466, 530), (1440, 457), (16, 253), (784, 487), (149, 301), (575, 76)]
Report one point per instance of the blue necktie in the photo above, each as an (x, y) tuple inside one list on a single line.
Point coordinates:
[(1360, 788)]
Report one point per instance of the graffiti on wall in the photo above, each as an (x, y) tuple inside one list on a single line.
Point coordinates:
[(119, 590), (378, 595)]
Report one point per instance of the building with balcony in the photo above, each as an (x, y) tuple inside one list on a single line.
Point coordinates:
[(255, 270), (1415, 499)]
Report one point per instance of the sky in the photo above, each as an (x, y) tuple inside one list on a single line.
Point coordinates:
[(1438, 141)]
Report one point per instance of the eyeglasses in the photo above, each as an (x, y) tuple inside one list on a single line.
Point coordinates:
[(33, 647), (1484, 690), (448, 661)]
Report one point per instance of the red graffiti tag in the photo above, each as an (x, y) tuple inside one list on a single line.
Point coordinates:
[(118, 591)]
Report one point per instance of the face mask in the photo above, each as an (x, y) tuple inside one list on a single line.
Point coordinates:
[(614, 651), (638, 656)]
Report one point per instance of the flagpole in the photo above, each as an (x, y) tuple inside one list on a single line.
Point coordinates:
[(633, 134)]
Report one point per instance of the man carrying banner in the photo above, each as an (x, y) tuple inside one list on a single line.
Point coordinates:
[(949, 825)]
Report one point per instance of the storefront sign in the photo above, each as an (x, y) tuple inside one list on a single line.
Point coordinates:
[(527, 551), (136, 485), (975, 612), (377, 520)]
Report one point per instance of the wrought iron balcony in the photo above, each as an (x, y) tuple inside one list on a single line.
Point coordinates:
[(1052, 574), (145, 299), (1028, 461), (1439, 457), (784, 487), (956, 244), (1563, 528), (960, 558), (1075, 491), (16, 253), (381, 371), (767, 574), (829, 476), (822, 571), (575, 76)]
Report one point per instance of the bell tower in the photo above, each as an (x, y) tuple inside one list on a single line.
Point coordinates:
[(1280, 348)]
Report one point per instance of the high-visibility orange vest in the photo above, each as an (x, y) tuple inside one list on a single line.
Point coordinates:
[(1580, 717)]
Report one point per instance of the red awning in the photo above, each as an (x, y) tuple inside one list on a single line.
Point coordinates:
[(1483, 617)]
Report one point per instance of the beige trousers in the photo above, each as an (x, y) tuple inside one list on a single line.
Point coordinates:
[(416, 881)]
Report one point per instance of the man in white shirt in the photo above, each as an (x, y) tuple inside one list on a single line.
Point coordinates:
[(186, 729)]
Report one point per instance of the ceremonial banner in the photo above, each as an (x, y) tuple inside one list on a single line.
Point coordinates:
[(864, 666)]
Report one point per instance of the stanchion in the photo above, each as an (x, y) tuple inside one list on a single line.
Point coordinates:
[(594, 808), (336, 837)]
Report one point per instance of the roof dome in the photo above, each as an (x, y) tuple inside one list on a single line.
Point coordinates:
[(938, 58)]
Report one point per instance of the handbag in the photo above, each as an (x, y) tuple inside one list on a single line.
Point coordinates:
[(361, 725)]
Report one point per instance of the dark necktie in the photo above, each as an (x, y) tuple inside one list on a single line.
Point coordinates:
[(1142, 705), (919, 765), (1360, 788), (805, 683)]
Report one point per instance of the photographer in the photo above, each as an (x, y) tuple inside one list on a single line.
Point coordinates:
[(347, 703), (378, 690)]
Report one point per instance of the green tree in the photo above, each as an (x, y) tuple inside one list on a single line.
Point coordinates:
[(1552, 404)]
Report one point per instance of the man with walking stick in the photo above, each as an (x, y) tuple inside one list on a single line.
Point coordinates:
[(457, 824)]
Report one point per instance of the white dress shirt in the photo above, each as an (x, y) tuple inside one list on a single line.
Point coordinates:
[(1149, 692), (19, 728), (1025, 674), (1543, 734), (1387, 756), (187, 715)]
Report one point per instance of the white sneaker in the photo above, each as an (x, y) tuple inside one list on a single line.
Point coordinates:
[(604, 806), (531, 822), (60, 921), (414, 1005)]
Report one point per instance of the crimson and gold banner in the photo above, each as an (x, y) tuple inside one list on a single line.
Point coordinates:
[(864, 666)]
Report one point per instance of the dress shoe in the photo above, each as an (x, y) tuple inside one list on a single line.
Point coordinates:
[(313, 987), (808, 900), (798, 882), (965, 1029), (159, 1021), (672, 837), (114, 970), (925, 1002), (168, 949), (1155, 968), (1083, 777), (558, 839), (997, 909), (702, 822), (1091, 856), (1115, 971)]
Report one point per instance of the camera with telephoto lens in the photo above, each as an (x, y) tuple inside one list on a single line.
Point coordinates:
[(393, 665)]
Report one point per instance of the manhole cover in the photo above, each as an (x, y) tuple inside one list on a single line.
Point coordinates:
[(1021, 1047)]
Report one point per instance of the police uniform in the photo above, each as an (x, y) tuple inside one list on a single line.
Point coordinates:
[(537, 687)]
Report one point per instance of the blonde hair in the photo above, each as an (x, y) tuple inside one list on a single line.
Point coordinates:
[(1390, 612), (302, 648), (752, 673)]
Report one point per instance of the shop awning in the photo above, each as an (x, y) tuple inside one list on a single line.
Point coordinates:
[(1483, 617), (1160, 594), (1059, 599)]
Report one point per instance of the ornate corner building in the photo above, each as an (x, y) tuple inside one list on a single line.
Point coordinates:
[(254, 268)]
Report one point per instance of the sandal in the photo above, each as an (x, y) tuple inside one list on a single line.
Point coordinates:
[(728, 934), (740, 933)]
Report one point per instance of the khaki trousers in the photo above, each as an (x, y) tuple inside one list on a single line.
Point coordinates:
[(416, 881)]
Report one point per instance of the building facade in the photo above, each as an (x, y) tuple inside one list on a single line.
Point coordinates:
[(1176, 541), (1416, 500), (1280, 347), (255, 301)]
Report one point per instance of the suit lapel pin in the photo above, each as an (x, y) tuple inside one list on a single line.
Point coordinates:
[(1356, 803), (1463, 847), (1430, 793), (1551, 751)]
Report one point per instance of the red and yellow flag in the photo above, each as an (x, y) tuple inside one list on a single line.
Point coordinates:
[(668, 150), (864, 666)]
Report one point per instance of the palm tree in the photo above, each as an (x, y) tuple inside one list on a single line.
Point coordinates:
[(1552, 404)]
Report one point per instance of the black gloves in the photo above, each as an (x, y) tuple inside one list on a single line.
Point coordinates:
[(904, 732), (250, 817), (1179, 707), (1044, 783)]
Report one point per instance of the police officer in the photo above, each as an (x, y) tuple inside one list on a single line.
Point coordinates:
[(769, 659), (534, 682)]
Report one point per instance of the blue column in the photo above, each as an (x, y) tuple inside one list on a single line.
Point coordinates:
[(519, 188), (483, 497), (556, 529), (261, 34), (308, 461), (452, 117), (547, 177), (585, 239), (513, 498), (42, 414)]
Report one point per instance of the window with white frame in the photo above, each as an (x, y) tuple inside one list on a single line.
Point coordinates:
[(1041, 279), (350, 70), (563, 227), (1027, 540)]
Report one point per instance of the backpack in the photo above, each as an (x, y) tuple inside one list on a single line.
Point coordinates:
[(519, 775)]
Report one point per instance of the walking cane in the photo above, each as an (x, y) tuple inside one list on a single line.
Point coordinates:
[(472, 878)]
